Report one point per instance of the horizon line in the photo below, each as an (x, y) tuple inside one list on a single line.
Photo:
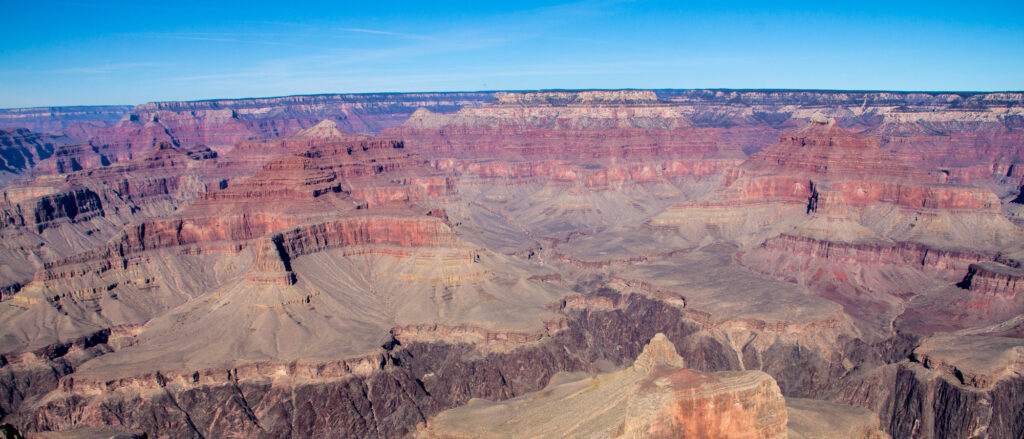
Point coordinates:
[(962, 93)]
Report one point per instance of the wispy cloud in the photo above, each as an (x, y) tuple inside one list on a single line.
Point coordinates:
[(386, 33), (112, 67), (261, 38)]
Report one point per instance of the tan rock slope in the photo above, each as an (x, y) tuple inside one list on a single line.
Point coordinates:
[(654, 398)]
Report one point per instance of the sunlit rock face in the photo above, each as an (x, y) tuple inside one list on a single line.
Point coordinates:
[(593, 139), (602, 263), (656, 397)]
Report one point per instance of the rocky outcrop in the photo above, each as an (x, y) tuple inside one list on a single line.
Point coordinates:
[(232, 233), (589, 139), (976, 361), (226, 122), (654, 398), (995, 279), (377, 171), (366, 233), (936, 406), (826, 182), (21, 149), (118, 143), (951, 386), (388, 393), (846, 169), (168, 174), (902, 254), (26, 375), (41, 212)]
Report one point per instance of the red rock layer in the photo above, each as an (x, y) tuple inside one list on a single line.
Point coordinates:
[(704, 408), (402, 229), (223, 123), (955, 145), (311, 193), (932, 130), (899, 253), (826, 150), (831, 171), (587, 176), (118, 143), (862, 193), (40, 213), (376, 171), (590, 139), (994, 279), (274, 255), (169, 173)]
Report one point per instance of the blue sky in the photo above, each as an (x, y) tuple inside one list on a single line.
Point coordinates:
[(129, 52)]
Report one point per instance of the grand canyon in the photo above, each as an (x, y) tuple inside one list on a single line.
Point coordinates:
[(699, 263)]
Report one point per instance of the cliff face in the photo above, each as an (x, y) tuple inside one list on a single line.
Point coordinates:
[(827, 183), (953, 262), (928, 129), (21, 149), (387, 394), (654, 398), (166, 174), (395, 388), (318, 192), (590, 139), (225, 122), (74, 121), (848, 169), (994, 279), (952, 386)]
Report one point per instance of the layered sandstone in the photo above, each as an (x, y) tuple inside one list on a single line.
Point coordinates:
[(655, 397), (951, 261), (71, 212), (593, 139), (21, 149), (830, 170), (219, 124), (928, 129), (931, 130), (52, 217), (106, 145), (226, 122), (995, 279)]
